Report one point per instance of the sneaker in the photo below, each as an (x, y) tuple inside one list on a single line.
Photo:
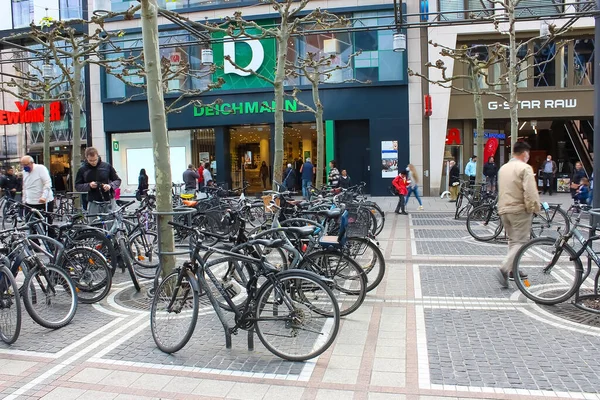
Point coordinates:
[(404, 213), (420, 207), (502, 278), (522, 274)]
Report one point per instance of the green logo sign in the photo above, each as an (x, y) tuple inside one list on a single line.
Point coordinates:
[(247, 107), (250, 54), (115, 146)]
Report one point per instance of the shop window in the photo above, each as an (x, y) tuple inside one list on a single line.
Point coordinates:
[(544, 70), (70, 9), (447, 6), (22, 12), (583, 60), (564, 71), (122, 5)]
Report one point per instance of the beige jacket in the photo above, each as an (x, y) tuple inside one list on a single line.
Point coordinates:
[(517, 189)]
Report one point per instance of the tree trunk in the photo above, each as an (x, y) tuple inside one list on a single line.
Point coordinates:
[(158, 127), (47, 128), (513, 103), (480, 132), (76, 123), (279, 100), (320, 162)]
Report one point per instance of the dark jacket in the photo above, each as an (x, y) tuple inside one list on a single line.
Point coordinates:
[(490, 170), (345, 183), (289, 178), (10, 182), (454, 174), (190, 178), (103, 173), (577, 175), (142, 183)]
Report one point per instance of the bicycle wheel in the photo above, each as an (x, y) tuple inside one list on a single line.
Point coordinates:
[(378, 214), (550, 222), (297, 318), (370, 258), (90, 273), (143, 249), (348, 280), (174, 312), (484, 223), (10, 307), (208, 223), (458, 204), (50, 297), (546, 274), (256, 215), (98, 241), (232, 277)]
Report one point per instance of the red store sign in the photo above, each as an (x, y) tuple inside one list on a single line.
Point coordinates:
[(25, 116)]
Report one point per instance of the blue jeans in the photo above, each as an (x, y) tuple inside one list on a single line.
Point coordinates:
[(306, 184), (415, 190)]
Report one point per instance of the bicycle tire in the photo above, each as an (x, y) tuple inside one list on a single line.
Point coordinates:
[(163, 296), (36, 286), (544, 249), (98, 241), (90, 272), (129, 264), (343, 273), (557, 221), (378, 214), (144, 254), (296, 286), (9, 303), (209, 223), (370, 258), (482, 216)]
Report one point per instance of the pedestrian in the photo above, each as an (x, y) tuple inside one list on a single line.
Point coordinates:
[(200, 177), (400, 183), (334, 175), (143, 185), (11, 184), (207, 176), (289, 178), (298, 167), (264, 174), (413, 188), (518, 199), (99, 179), (471, 170), (583, 193), (345, 181), (576, 178), (591, 196), (307, 171), (549, 169), (190, 179), (37, 186), (454, 181), (490, 171)]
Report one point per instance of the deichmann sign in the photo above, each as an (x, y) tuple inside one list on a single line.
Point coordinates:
[(25, 116), (247, 107), (535, 104)]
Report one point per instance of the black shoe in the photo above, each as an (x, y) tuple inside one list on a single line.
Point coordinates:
[(522, 274), (502, 278), (396, 212), (404, 213)]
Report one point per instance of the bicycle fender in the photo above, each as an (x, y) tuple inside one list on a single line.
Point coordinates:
[(193, 281)]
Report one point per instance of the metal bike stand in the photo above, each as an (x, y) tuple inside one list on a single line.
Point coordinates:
[(579, 299), (179, 211)]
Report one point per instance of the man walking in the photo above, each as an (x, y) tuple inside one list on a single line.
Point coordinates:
[(307, 171), (37, 186), (549, 169), (100, 180), (190, 179), (518, 199), (471, 170)]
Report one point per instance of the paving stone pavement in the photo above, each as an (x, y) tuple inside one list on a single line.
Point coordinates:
[(437, 327)]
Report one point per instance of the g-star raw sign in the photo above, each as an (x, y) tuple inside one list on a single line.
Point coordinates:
[(535, 104), (25, 116)]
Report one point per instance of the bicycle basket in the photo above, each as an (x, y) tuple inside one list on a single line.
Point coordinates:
[(359, 222)]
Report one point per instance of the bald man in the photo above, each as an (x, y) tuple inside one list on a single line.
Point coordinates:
[(37, 185)]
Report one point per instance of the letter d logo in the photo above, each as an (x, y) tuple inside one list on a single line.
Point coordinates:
[(256, 61)]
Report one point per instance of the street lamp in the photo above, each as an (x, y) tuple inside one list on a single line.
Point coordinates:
[(47, 71), (102, 7), (399, 41), (207, 57), (544, 29)]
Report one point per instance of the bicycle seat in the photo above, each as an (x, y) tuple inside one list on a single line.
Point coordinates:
[(267, 242), (302, 231), (190, 203), (330, 214)]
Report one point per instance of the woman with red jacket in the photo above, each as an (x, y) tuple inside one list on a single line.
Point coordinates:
[(401, 183)]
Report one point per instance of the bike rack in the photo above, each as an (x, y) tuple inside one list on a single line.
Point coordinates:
[(188, 212), (579, 299)]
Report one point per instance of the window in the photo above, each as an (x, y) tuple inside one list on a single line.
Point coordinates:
[(446, 6), (122, 5), (544, 71), (583, 60), (22, 11), (70, 9)]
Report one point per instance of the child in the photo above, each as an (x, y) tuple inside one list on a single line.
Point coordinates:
[(345, 180), (582, 194), (401, 183)]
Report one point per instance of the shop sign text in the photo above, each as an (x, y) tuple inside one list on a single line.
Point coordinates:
[(535, 104), (246, 107), (25, 116)]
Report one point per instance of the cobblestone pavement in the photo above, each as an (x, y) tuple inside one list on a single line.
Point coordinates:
[(438, 326)]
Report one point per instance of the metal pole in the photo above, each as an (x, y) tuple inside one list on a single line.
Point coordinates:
[(596, 192)]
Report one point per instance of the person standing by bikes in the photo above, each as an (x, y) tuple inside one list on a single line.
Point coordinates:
[(190, 179), (518, 199), (334, 175), (11, 184), (549, 169), (471, 170), (454, 181), (143, 185), (99, 179), (307, 171), (490, 171)]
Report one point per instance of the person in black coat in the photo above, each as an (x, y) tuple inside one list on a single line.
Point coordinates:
[(99, 179), (289, 178), (490, 171), (142, 189), (576, 178), (454, 181), (11, 184), (345, 182)]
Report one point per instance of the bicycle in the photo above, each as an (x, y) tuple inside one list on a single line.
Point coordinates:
[(10, 307), (279, 310)]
